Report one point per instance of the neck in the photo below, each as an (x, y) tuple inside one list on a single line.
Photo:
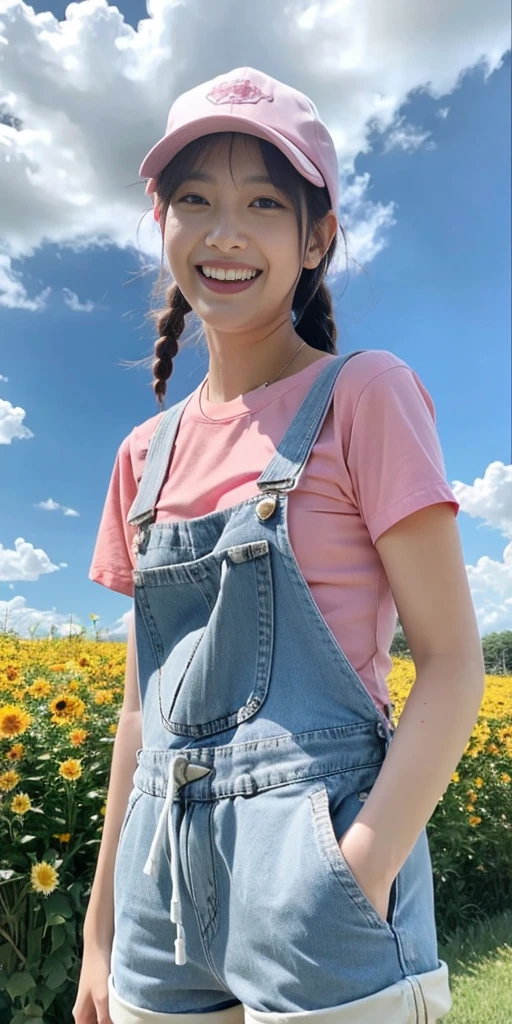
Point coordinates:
[(236, 367)]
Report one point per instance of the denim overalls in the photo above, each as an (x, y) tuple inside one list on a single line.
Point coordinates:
[(260, 744)]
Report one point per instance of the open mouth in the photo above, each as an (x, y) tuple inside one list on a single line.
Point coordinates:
[(218, 285)]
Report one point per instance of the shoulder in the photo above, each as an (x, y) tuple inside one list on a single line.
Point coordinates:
[(366, 366), (376, 375)]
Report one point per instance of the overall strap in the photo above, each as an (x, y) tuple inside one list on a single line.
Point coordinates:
[(159, 452), (285, 467), (282, 472)]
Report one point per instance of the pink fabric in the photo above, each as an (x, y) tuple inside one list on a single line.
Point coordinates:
[(377, 459), (250, 101)]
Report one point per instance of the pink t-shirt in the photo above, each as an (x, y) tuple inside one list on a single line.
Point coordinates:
[(376, 460)]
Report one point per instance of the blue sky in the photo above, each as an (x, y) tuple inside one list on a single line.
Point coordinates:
[(437, 294)]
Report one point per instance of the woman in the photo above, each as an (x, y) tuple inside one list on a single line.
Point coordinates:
[(268, 527)]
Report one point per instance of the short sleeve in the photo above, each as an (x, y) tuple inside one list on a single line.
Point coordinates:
[(112, 561), (394, 457)]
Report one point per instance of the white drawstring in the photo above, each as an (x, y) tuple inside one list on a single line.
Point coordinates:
[(151, 865), (188, 772)]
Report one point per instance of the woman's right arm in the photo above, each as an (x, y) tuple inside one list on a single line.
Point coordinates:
[(99, 919)]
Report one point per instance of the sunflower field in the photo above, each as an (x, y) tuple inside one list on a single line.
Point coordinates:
[(59, 706)]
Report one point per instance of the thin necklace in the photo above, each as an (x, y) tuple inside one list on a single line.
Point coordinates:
[(268, 382)]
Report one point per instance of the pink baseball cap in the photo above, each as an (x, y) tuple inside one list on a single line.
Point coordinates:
[(246, 100)]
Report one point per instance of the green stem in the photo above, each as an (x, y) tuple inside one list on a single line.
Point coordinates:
[(8, 939)]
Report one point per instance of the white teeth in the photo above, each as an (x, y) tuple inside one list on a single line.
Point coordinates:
[(228, 275)]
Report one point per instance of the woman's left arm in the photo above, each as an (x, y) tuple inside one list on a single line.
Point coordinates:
[(423, 560)]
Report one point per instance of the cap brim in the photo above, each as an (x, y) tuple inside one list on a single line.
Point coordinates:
[(166, 148)]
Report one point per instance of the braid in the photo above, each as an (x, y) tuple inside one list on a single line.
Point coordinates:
[(315, 316), (170, 325)]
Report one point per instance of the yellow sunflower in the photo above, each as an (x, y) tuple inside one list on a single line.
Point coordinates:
[(16, 752), (13, 721), (8, 780), (21, 803), (70, 769), (44, 878), (77, 737), (103, 697), (39, 688)]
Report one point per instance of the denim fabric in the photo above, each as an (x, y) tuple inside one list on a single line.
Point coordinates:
[(260, 745)]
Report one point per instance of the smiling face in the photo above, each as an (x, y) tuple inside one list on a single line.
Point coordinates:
[(234, 219)]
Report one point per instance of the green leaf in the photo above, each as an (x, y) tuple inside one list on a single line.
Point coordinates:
[(58, 975), (48, 963), (58, 936), (75, 894), (65, 956), (58, 903), (54, 919), (33, 1010), (19, 984), (44, 995), (27, 839), (44, 757), (19, 1018)]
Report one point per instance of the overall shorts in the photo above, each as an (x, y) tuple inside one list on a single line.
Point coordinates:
[(260, 744)]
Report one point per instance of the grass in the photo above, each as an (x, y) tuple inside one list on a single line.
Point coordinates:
[(480, 964)]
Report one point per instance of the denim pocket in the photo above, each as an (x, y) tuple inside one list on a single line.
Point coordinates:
[(329, 828), (134, 796), (210, 623)]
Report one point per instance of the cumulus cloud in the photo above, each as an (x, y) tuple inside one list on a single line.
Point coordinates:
[(11, 423), (24, 562), (490, 498), (84, 99), (25, 620)]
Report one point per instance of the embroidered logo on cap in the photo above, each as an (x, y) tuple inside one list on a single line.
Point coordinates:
[(237, 90)]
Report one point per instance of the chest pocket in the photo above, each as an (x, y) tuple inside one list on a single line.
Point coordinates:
[(211, 624)]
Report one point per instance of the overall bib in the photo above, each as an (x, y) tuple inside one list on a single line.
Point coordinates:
[(260, 744)]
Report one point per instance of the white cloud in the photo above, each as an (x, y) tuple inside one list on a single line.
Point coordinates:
[(24, 562), (53, 506), (20, 616), (3, 379), (443, 112), (84, 99), (490, 498), (407, 137), (11, 425), (72, 300), (13, 294)]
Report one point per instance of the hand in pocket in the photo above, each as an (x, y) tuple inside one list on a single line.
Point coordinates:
[(368, 874)]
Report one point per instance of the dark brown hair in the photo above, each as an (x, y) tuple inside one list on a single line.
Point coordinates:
[(312, 310)]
